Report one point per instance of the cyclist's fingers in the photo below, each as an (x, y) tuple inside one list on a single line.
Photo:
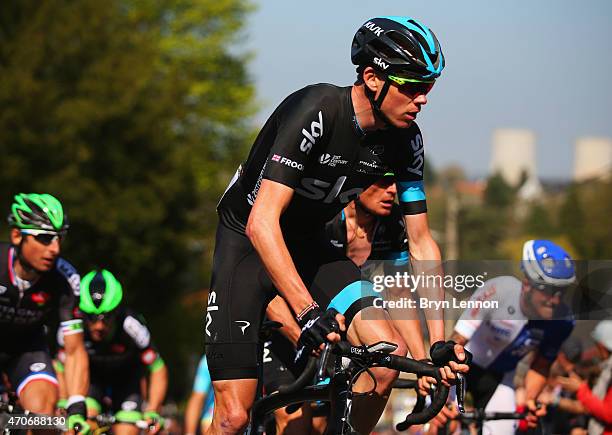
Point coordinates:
[(333, 337), (341, 322), (456, 367), (447, 373), (459, 353)]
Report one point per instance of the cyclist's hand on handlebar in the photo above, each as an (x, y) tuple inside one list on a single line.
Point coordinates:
[(154, 420), (536, 411), (319, 327), (454, 359), (78, 425), (77, 422)]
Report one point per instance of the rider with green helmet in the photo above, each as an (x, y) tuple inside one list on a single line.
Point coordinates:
[(121, 352), (36, 286)]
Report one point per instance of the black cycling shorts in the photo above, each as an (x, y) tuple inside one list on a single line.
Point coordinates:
[(241, 290)]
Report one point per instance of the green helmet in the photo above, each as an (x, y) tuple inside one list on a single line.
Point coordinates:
[(100, 292), (34, 211)]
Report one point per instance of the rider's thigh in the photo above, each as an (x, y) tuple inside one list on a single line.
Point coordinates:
[(233, 401), (39, 396)]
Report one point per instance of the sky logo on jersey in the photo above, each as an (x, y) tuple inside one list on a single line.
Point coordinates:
[(320, 190), (212, 306), (316, 131), (419, 159)]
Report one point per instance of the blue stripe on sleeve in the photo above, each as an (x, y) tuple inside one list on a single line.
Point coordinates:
[(411, 191), (399, 258)]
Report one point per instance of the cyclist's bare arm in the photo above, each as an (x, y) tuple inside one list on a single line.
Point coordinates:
[(193, 411), (425, 255), (279, 311), (264, 231), (76, 366), (158, 385), (536, 377)]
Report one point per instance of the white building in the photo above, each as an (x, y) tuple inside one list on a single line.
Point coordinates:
[(593, 158)]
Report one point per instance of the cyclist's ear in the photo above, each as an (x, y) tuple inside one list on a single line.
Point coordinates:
[(370, 79), (16, 236)]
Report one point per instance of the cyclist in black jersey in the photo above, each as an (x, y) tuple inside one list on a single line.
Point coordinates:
[(320, 148), (121, 353), (370, 228), (38, 287)]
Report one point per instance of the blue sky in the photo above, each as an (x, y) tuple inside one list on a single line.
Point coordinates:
[(544, 65)]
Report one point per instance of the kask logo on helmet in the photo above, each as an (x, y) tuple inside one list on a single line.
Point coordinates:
[(374, 28)]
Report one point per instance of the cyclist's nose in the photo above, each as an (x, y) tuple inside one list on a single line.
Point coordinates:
[(421, 99), (54, 246)]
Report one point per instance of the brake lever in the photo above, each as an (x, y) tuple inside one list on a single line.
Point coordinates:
[(461, 388)]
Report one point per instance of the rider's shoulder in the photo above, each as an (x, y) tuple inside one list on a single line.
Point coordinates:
[(68, 273), (135, 327), (323, 97)]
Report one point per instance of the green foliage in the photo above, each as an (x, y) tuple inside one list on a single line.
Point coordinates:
[(134, 113), (481, 230), (498, 193), (539, 221), (585, 217)]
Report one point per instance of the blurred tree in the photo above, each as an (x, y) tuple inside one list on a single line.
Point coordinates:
[(498, 193), (135, 114), (540, 222), (585, 218)]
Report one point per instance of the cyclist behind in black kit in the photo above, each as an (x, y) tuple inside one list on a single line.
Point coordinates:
[(371, 228), (36, 286), (320, 148), (121, 352)]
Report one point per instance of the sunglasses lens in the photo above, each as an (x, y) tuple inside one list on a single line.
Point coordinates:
[(45, 239)]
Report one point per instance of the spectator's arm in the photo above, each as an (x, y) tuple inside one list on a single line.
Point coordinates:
[(600, 409)]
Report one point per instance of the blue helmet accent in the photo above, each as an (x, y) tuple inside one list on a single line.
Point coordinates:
[(398, 45), (547, 264)]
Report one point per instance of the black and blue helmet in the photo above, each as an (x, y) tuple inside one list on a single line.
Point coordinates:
[(399, 46)]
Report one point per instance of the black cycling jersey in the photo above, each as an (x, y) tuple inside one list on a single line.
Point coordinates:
[(127, 349), (389, 240), (24, 312), (313, 144)]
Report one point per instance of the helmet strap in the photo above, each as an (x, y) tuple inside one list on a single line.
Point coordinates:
[(376, 103)]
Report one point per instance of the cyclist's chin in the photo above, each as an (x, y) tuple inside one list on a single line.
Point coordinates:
[(546, 313), (44, 265)]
